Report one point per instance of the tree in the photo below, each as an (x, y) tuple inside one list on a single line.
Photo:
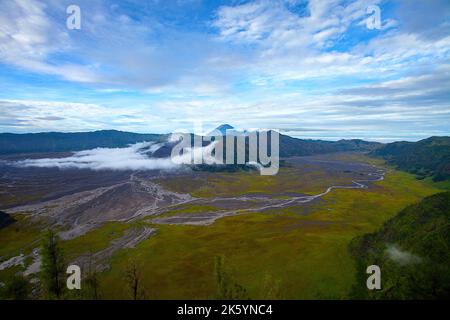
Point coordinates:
[(52, 269), (17, 288), (134, 280), (92, 282)]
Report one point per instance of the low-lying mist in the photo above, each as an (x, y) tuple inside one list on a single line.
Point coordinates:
[(134, 157)]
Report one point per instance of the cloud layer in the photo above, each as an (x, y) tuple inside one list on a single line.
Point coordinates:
[(129, 158), (134, 157)]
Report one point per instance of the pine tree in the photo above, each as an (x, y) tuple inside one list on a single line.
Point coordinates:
[(134, 280), (92, 281), (52, 269)]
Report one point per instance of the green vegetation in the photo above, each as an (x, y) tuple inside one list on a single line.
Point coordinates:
[(444, 185), (20, 237), (428, 157), (52, 268), (227, 289), (133, 276), (190, 209), (95, 240), (16, 287), (412, 250), (298, 256), (90, 282), (308, 179)]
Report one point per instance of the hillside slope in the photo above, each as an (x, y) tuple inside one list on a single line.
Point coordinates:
[(412, 251), (299, 147), (57, 141), (428, 157)]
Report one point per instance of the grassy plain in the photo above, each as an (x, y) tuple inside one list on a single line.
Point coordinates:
[(304, 255), (308, 179), (300, 251)]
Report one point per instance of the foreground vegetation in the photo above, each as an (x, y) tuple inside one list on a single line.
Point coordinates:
[(412, 249), (300, 252)]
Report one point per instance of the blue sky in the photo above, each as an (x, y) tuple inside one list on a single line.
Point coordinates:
[(311, 69)]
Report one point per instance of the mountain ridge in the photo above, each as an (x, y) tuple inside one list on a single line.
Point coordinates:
[(12, 143), (429, 157)]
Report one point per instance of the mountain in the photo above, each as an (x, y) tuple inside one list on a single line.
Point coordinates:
[(58, 142), (223, 129), (290, 146), (412, 252), (300, 147), (428, 157), (11, 143)]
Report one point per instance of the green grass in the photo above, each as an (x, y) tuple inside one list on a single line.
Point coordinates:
[(307, 254), (95, 240), (20, 237), (7, 274), (444, 185), (308, 179), (303, 248), (190, 209)]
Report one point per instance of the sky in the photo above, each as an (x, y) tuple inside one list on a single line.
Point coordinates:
[(311, 69)]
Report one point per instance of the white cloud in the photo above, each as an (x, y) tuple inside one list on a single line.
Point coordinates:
[(129, 158), (28, 37), (37, 116), (134, 157), (259, 39)]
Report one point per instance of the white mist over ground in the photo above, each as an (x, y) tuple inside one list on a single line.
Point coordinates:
[(133, 157), (197, 155), (400, 256)]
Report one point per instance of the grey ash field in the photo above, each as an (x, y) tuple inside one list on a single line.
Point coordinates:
[(285, 236)]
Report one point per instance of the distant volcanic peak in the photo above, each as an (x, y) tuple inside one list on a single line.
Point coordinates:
[(226, 129), (223, 129)]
